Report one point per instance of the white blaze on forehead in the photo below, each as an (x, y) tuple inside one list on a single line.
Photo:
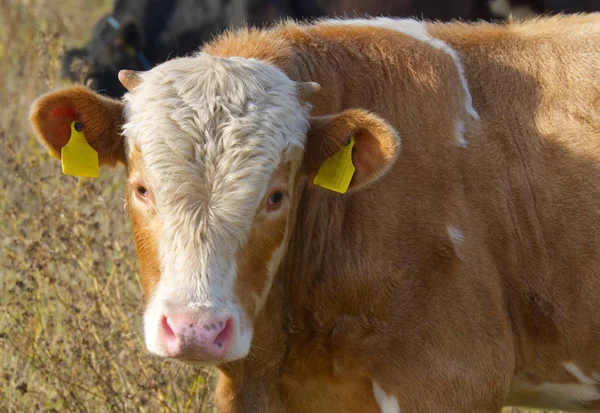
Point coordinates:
[(211, 131)]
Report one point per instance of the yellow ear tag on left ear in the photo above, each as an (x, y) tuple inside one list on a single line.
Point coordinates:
[(77, 156), (336, 172)]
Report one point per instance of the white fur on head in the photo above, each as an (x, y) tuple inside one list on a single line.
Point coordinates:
[(211, 131)]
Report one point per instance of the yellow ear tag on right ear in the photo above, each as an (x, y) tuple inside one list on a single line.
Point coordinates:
[(336, 172), (77, 156)]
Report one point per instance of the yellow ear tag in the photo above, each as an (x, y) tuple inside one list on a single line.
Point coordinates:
[(77, 156), (336, 172)]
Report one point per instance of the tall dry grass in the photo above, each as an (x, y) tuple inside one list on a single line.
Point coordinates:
[(70, 312), (71, 304)]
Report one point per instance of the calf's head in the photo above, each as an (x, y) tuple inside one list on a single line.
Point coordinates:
[(218, 152)]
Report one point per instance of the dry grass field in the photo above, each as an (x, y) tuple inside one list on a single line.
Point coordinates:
[(70, 313), (71, 304)]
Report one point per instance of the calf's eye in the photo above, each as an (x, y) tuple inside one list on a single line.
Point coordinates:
[(141, 191), (274, 200)]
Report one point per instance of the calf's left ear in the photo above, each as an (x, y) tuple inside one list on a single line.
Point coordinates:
[(376, 144)]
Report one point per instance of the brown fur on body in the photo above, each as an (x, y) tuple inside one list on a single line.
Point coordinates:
[(372, 287)]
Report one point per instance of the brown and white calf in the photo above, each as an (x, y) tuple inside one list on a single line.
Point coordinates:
[(461, 271)]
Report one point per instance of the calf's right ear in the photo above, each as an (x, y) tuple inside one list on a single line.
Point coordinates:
[(52, 114)]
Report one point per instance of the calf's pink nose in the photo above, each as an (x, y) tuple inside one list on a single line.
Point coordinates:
[(190, 337)]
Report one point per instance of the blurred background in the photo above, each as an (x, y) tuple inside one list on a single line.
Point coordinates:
[(71, 304)]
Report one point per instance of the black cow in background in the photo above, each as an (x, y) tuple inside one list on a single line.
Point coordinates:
[(139, 34), (502, 8), (560, 6)]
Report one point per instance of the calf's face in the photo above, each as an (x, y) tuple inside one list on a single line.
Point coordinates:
[(215, 147), (218, 152)]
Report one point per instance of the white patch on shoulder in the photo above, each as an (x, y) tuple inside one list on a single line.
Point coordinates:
[(387, 404), (460, 134), (564, 396), (456, 236), (417, 30)]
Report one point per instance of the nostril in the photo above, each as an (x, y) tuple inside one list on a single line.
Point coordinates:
[(223, 336), (168, 332)]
